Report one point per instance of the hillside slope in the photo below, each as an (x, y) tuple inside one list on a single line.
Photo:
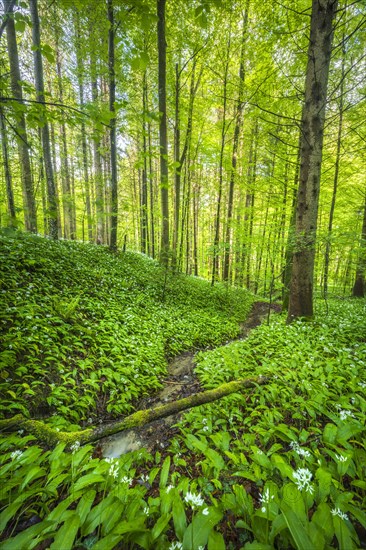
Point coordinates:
[(84, 332)]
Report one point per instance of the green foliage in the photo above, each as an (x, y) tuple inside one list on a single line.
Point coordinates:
[(281, 466), (85, 332)]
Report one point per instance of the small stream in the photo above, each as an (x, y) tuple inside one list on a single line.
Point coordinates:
[(181, 382)]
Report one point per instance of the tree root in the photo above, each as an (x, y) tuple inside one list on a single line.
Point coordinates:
[(48, 435)]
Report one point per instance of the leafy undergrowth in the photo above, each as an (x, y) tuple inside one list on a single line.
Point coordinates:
[(280, 466), (85, 333)]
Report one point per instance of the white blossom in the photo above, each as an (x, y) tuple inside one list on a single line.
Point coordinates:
[(302, 478), (176, 546), (299, 450), (114, 470), (265, 499), (344, 414), (205, 511), (341, 458), (16, 454), (169, 488), (337, 512), (194, 500), (75, 447)]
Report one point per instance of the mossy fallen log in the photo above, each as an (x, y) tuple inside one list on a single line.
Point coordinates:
[(46, 434)]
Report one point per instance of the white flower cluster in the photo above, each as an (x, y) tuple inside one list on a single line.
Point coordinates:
[(169, 488), (75, 447), (344, 414), (337, 512), (265, 499), (205, 427), (194, 500), (176, 546), (302, 478), (126, 479), (341, 458), (16, 454), (299, 450)]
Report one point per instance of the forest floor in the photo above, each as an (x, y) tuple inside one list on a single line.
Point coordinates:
[(181, 382)]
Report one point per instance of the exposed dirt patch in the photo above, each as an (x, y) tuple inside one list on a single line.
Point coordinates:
[(181, 382)]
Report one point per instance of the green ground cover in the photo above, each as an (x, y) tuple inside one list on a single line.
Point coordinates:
[(279, 466)]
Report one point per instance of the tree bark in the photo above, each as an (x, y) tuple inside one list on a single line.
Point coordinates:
[(163, 139), (312, 128), (113, 142), (9, 186), (234, 156), (29, 204), (38, 73), (359, 287), (51, 437)]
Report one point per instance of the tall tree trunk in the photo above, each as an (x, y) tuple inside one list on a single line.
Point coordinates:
[(335, 180), (29, 204), (359, 287), (84, 147), (163, 139), (9, 187), (113, 144), (144, 194), (234, 156), (215, 262), (98, 176), (38, 73), (312, 128), (67, 198)]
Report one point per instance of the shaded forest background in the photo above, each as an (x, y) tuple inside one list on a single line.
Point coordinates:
[(226, 187)]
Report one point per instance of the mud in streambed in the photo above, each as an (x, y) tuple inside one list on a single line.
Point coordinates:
[(181, 382)]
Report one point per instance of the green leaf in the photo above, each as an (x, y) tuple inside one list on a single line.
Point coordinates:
[(179, 517), (325, 482), (216, 541), (66, 535), (198, 531), (164, 472), (330, 434), (23, 539), (33, 474), (160, 526), (89, 479), (296, 528)]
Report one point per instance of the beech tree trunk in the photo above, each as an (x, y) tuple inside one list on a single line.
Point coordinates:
[(29, 204), (312, 127), (359, 287), (163, 138), (9, 186), (52, 214), (113, 142)]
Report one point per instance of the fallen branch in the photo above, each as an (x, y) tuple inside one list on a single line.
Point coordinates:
[(51, 437)]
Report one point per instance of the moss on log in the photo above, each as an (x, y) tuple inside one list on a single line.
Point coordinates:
[(44, 433)]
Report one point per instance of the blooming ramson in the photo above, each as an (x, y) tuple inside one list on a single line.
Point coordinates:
[(126, 479), (194, 500), (265, 499), (337, 512), (75, 447), (302, 478), (176, 546), (341, 458), (343, 414), (16, 454), (169, 488), (299, 450), (113, 470)]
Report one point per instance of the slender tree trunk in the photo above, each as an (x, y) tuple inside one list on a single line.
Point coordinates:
[(98, 175), (113, 144), (38, 72), (215, 262), (29, 204), (67, 198), (163, 139), (359, 287), (9, 187), (312, 128), (84, 147), (335, 181), (144, 194), (234, 156)]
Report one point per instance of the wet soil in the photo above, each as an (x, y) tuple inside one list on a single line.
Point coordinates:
[(181, 382)]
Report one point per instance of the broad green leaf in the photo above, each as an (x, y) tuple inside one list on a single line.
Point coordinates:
[(216, 541), (296, 528), (23, 539), (164, 472), (330, 434), (179, 517), (197, 533), (89, 479), (66, 535), (160, 526)]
